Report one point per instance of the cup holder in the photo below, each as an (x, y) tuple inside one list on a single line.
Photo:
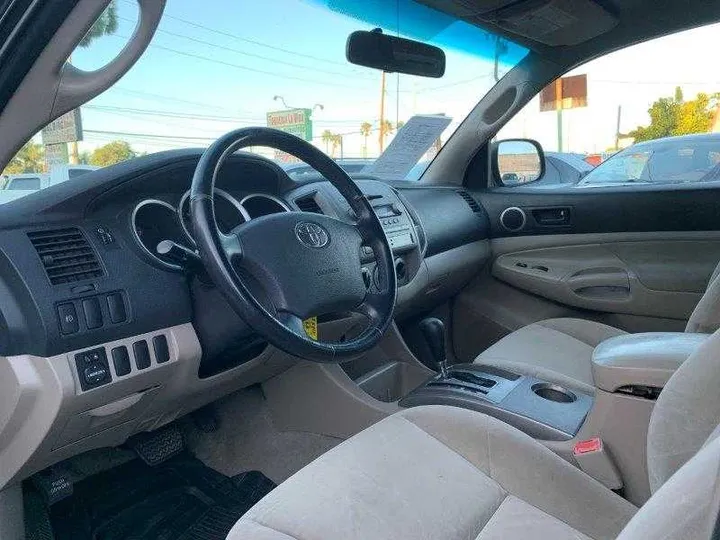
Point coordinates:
[(553, 392)]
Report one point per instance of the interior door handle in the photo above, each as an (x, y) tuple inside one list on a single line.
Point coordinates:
[(552, 216), (600, 277)]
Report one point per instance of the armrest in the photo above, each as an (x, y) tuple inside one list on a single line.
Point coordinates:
[(647, 359)]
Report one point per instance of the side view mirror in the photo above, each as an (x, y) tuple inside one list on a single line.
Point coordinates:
[(518, 161)]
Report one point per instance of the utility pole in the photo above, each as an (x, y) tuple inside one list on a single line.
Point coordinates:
[(382, 112), (558, 108), (617, 129)]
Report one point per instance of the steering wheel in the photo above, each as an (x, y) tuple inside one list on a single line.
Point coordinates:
[(305, 264)]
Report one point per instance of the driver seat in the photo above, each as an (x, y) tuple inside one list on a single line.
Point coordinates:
[(560, 350), (445, 472)]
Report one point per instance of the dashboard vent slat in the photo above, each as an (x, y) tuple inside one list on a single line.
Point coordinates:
[(66, 255), (308, 204), (472, 203)]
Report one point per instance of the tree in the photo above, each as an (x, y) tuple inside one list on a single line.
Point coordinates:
[(112, 153), (400, 124), (106, 24), (671, 116), (387, 128), (30, 158), (365, 129), (327, 137)]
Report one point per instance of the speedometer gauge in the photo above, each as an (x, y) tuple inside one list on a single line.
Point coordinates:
[(228, 212)]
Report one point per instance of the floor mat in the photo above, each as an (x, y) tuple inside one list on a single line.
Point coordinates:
[(181, 499)]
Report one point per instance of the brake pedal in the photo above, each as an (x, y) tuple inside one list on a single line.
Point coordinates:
[(159, 446)]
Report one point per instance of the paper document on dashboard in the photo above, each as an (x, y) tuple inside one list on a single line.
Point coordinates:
[(408, 146)]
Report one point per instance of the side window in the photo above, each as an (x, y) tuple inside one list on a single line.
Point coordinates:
[(616, 122)]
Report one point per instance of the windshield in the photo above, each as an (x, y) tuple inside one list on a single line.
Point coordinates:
[(667, 161), (216, 66)]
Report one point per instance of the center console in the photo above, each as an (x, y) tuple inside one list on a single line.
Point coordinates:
[(541, 409)]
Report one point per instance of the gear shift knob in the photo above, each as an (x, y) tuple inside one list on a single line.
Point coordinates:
[(434, 332)]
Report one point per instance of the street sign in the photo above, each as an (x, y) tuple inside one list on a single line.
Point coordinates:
[(67, 128), (56, 154), (295, 121)]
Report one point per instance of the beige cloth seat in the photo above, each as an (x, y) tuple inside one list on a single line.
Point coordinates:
[(444, 472), (560, 350)]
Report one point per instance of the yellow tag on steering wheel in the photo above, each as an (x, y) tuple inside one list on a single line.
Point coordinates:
[(311, 327)]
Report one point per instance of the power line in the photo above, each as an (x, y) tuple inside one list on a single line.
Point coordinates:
[(196, 116), (245, 53), (246, 40), (147, 135), (239, 66)]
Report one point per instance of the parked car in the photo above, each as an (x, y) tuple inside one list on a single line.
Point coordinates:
[(670, 160), (19, 185)]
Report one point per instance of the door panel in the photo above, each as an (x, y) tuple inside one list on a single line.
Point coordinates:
[(639, 282)]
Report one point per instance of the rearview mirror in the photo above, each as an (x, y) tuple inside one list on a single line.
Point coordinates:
[(395, 55), (518, 161)]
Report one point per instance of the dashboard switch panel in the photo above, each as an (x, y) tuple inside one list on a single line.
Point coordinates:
[(93, 314), (116, 307), (142, 354), (93, 368), (121, 360), (162, 352), (68, 319)]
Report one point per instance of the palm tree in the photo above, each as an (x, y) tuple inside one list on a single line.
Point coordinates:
[(106, 24), (327, 137), (337, 140), (386, 128), (365, 129)]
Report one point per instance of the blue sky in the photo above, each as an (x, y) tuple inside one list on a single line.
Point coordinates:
[(216, 65), (224, 58)]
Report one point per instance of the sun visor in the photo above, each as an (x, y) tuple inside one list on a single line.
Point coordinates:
[(550, 22)]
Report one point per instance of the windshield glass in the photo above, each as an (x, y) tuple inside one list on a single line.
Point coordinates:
[(216, 66), (669, 161)]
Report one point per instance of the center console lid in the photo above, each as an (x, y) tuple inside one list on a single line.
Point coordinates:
[(647, 359)]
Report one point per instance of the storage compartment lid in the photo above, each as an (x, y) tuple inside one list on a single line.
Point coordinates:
[(647, 359)]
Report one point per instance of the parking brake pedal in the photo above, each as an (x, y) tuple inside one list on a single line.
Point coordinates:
[(159, 446)]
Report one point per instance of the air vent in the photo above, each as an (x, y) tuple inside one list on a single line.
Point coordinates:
[(308, 204), (66, 255), (472, 203)]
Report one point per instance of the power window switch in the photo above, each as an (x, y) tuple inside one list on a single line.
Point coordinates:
[(142, 354)]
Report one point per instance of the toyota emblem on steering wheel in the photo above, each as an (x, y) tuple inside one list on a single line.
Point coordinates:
[(311, 234)]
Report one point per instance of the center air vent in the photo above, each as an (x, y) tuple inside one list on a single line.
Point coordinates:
[(66, 255), (472, 203), (308, 204)]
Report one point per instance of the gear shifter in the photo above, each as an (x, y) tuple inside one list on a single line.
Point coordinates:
[(433, 331)]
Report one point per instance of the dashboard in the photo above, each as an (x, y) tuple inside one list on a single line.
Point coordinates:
[(102, 336)]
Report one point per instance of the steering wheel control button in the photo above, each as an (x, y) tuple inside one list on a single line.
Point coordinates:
[(142, 354), (93, 314), (311, 234), (67, 316), (121, 361), (93, 368), (162, 352), (116, 308)]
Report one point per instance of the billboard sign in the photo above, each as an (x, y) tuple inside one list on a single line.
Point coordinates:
[(570, 91), (67, 128), (56, 154), (295, 121)]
